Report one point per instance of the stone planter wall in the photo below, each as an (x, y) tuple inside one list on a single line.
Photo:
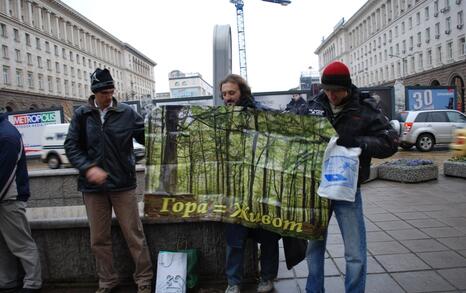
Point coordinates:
[(59, 226), (408, 174), (454, 168)]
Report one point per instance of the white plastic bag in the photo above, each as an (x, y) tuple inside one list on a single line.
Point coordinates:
[(340, 169), (171, 272)]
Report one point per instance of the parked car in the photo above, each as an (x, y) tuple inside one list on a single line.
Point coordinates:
[(53, 151), (426, 128)]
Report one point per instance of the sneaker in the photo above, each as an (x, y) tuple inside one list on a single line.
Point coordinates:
[(265, 286), (104, 290), (232, 289), (144, 289)]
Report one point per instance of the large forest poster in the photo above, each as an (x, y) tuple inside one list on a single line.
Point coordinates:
[(237, 165)]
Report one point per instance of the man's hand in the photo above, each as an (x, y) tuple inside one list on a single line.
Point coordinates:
[(96, 175), (348, 141)]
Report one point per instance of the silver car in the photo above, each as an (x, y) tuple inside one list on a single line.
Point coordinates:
[(429, 127)]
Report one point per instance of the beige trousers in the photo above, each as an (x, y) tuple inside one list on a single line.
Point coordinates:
[(99, 212)]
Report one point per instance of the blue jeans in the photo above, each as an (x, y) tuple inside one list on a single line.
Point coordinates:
[(268, 258), (351, 221)]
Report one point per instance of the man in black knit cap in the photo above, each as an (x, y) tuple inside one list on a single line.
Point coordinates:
[(359, 122), (100, 145)]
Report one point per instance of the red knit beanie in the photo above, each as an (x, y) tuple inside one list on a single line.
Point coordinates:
[(336, 76)]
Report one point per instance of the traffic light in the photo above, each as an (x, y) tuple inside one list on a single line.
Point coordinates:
[(459, 143)]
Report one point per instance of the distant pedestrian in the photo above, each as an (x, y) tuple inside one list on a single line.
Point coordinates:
[(100, 145), (359, 122), (14, 227), (297, 105)]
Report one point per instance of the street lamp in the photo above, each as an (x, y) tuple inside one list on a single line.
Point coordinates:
[(403, 59)]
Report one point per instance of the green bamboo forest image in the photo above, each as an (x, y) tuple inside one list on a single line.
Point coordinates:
[(237, 165)]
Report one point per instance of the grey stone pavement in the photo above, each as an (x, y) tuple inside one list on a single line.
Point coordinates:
[(416, 236)]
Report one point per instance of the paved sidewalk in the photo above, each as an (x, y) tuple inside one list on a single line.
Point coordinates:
[(416, 237)]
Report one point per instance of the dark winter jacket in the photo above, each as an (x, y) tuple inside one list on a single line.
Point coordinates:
[(362, 119), (14, 180), (109, 145), (297, 107)]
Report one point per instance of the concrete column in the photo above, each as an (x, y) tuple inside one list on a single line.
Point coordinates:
[(49, 23), (72, 33), (40, 17), (57, 23), (65, 28), (18, 4), (7, 7), (30, 15)]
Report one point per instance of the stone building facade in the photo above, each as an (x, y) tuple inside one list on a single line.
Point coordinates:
[(421, 42), (48, 51)]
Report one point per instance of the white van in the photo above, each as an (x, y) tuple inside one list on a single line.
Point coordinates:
[(53, 151)]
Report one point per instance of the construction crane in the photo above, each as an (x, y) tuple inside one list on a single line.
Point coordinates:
[(239, 4)]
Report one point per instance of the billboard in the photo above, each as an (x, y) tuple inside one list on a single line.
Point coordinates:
[(430, 98), (31, 126), (385, 97), (279, 100)]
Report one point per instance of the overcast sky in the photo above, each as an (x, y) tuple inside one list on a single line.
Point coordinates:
[(178, 34)]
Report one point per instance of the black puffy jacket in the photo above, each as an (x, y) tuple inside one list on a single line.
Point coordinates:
[(298, 107), (362, 119), (108, 145)]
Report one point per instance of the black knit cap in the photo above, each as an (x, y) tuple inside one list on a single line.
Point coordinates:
[(336, 76), (101, 80)]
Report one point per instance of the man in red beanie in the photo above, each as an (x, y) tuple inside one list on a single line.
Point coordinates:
[(100, 145), (359, 122)]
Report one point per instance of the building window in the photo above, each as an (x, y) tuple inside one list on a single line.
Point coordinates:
[(63, 53), (435, 7), (71, 56), (5, 51), (67, 88), (410, 23), (426, 12), (77, 59), (79, 73), (50, 83), (3, 30), (39, 61), (73, 88), (429, 57), (428, 35), (449, 50), (72, 71), (18, 55), (55, 47), (420, 61), (29, 56), (448, 25), (37, 43), (47, 47), (403, 27), (28, 39), (439, 54), (16, 35), (418, 18), (65, 69), (19, 77), (49, 64), (30, 80), (447, 6), (40, 78), (419, 39), (58, 81), (6, 75), (462, 46), (460, 20), (437, 30)]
